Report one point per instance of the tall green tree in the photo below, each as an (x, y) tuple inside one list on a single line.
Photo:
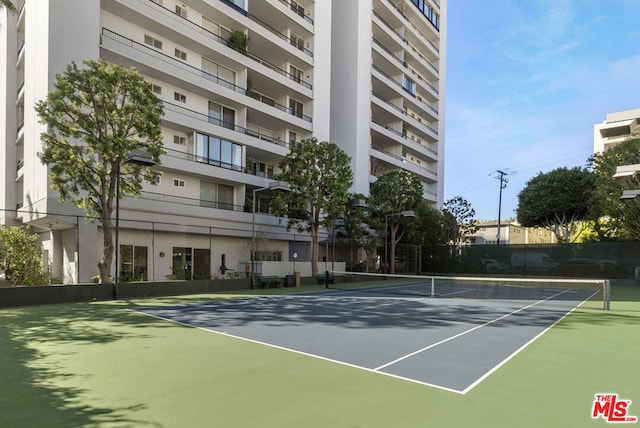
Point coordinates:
[(459, 219), (94, 117), (21, 257), (428, 228), (319, 175), (558, 201), (355, 229), (615, 218), (390, 195)]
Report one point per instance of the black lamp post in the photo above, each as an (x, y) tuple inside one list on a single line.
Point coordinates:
[(138, 157)]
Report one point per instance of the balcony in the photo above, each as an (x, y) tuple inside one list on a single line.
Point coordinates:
[(223, 40), (181, 66)]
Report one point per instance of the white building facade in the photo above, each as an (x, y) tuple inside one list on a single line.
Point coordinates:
[(367, 75), (617, 127)]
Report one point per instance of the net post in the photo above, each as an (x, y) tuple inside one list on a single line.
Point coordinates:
[(607, 294), (433, 286)]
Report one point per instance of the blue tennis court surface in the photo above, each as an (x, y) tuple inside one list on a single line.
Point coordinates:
[(452, 344)]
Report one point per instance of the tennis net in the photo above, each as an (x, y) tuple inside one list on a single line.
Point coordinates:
[(556, 289)]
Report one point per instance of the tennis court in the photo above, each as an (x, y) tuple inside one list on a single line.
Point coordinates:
[(450, 336), (103, 364)]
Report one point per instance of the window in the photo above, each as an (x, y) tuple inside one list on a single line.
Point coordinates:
[(179, 97), (217, 73), (133, 263), (156, 89), (181, 11), (293, 138), (268, 256), (181, 141), (221, 115), (216, 195), (191, 263), (181, 54), (218, 152), (297, 8), (409, 85), (153, 41), (295, 107), (296, 41), (178, 182), (295, 74), (261, 169)]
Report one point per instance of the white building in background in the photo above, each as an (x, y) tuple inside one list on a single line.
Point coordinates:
[(367, 75), (616, 128)]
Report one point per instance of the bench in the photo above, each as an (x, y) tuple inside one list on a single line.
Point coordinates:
[(268, 281), (322, 278)]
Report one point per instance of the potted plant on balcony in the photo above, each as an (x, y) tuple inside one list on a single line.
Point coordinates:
[(238, 41)]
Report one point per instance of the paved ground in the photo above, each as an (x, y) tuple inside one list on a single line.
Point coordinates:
[(452, 344)]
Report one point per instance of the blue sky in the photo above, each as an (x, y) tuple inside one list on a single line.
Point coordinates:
[(526, 82)]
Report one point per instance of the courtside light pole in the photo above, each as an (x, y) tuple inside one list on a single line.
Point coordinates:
[(409, 214), (138, 157), (274, 185)]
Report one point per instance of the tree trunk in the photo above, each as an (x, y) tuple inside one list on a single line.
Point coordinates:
[(314, 250), (107, 250), (392, 252)]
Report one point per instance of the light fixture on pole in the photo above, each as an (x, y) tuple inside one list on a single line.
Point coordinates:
[(408, 214), (274, 185), (138, 157)]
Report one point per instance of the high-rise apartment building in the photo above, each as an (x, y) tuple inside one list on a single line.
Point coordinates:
[(617, 127), (367, 75)]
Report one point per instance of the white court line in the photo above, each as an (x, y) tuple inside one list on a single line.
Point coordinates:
[(448, 339), (271, 345), (377, 370)]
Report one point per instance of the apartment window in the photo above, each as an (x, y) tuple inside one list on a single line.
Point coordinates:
[(181, 141), (181, 54), (296, 74), (191, 263), (153, 41), (221, 75), (409, 85), (216, 195), (293, 138), (178, 182), (133, 263), (179, 97), (295, 107), (296, 41), (156, 180), (156, 89), (221, 115), (297, 8), (181, 11), (218, 152), (261, 169)]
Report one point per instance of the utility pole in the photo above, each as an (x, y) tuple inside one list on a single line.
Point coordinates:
[(502, 177)]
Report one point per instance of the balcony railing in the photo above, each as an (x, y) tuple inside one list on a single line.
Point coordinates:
[(401, 111), (224, 41), (253, 131), (401, 86), (106, 33), (402, 159), (191, 201), (297, 10)]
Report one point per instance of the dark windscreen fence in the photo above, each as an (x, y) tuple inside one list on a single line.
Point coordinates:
[(587, 260), (572, 292)]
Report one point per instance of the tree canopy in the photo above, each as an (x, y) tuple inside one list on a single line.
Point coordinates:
[(94, 117), (392, 194), (8, 4), (459, 219), (615, 218), (558, 201), (21, 257), (319, 175)]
